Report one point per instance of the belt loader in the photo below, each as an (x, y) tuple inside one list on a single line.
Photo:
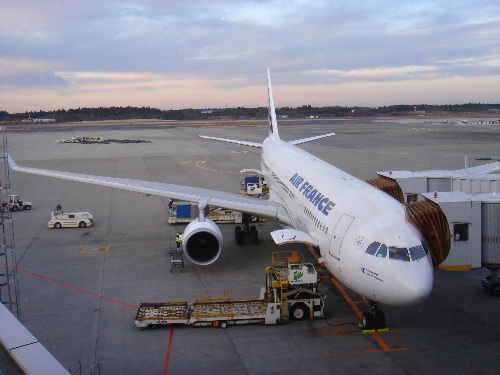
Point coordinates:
[(290, 293)]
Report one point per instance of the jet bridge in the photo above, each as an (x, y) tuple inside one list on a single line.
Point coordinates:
[(470, 202), (474, 222), (479, 179)]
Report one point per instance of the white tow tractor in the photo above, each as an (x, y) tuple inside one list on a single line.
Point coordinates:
[(60, 219), (15, 203)]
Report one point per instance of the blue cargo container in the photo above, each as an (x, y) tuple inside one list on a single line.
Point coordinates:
[(184, 211)]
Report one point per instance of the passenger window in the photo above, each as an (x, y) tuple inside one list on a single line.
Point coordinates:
[(417, 252), (372, 249), (71, 216), (382, 252)]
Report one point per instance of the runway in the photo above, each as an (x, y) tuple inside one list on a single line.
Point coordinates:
[(80, 288)]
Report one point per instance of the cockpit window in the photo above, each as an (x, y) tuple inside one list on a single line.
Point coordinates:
[(382, 252), (372, 249), (417, 252), (399, 253)]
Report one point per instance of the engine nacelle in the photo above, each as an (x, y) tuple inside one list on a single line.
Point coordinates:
[(202, 241)]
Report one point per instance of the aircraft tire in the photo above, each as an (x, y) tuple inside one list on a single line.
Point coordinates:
[(495, 290), (379, 318), (238, 236), (254, 235), (367, 320)]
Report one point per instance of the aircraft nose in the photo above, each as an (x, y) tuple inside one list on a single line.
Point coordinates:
[(414, 284)]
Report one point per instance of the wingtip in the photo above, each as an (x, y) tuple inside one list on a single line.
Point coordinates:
[(11, 161)]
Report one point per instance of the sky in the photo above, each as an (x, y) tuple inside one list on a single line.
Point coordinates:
[(172, 54)]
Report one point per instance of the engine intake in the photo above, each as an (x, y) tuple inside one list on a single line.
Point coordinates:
[(202, 242)]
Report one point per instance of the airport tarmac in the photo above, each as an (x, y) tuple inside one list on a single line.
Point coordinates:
[(80, 288)]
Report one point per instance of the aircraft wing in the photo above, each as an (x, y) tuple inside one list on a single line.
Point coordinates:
[(258, 207), (235, 141), (304, 140), (481, 169)]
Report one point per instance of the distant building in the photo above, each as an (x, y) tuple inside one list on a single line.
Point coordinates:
[(29, 119), (416, 110)]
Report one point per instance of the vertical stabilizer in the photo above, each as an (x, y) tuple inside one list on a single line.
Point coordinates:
[(273, 124)]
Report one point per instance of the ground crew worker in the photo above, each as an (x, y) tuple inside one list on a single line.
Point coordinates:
[(178, 240)]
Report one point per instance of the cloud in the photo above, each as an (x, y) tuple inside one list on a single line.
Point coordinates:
[(29, 73), (84, 46)]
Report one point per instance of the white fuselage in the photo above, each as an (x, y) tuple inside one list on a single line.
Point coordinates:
[(363, 234)]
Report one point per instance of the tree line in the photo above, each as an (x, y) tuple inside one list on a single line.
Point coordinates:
[(121, 113)]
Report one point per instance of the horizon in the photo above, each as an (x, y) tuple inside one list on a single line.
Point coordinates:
[(277, 108)]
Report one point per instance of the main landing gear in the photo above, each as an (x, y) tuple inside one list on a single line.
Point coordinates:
[(373, 319), (247, 232)]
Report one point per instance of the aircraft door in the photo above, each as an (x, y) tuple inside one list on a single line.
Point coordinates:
[(338, 235)]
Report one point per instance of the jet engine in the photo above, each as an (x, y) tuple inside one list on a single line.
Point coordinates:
[(202, 241)]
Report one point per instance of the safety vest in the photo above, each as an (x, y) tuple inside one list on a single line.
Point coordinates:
[(178, 238)]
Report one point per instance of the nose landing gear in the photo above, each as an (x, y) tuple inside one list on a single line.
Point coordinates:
[(373, 319)]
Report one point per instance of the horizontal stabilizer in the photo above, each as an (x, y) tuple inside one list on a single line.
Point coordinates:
[(244, 143), (284, 236), (481, 169), (304, 140)]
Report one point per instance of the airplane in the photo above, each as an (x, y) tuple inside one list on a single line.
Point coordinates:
[(364, 238)]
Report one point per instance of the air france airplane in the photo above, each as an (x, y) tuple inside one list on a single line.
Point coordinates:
[(362, 233)]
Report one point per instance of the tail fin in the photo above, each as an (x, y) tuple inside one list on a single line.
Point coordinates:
[(273, 124)]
